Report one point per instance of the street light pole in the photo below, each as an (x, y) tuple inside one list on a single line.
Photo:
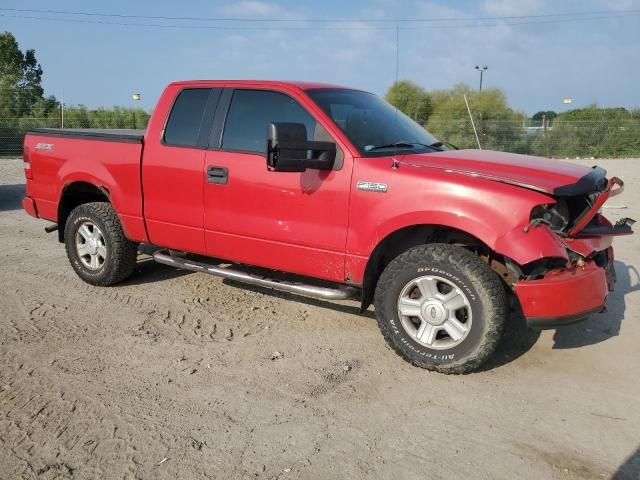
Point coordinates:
[(137, 97), (482, 69)]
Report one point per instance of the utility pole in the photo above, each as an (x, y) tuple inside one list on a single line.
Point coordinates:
[(62, 110), (482, 69)]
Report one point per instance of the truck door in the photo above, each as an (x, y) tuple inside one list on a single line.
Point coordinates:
[(289, 221), (173, 180)]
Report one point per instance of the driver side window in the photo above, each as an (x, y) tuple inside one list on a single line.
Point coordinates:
[(251, 112)]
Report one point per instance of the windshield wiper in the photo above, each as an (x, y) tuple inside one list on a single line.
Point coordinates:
[(393, 145), (404, 145), (442, 144)]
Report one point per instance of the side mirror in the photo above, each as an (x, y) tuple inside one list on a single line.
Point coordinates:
[(288, 149)]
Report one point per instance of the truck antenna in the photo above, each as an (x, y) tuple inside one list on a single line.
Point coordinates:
[(395, 143)]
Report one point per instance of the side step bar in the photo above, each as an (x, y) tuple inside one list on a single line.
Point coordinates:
[(326, 293)]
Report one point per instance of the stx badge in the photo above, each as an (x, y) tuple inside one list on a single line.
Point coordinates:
[(44, 146)]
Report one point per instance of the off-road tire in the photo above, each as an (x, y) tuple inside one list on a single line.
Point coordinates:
[(121, 252), (483, 288)]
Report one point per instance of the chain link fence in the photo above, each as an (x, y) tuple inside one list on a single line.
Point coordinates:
[(558, 139)]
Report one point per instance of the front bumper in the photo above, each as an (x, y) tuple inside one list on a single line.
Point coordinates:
[(566, 296)]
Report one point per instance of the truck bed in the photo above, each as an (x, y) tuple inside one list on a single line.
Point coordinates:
[(103, 134), (107, 159)]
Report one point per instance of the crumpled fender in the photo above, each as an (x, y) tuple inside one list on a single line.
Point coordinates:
[(526, 244), (495, 213)]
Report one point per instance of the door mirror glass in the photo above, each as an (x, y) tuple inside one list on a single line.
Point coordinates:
[(288, 149)]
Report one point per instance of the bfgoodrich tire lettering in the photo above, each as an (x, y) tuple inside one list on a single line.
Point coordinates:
[(119, 254), (486, 306)]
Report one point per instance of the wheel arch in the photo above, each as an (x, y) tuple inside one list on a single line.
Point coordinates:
[(75, 194), (410, 236)]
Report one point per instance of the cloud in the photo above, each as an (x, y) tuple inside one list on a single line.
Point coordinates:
[(255, 9), (434, 11), (536, 64), (512, 7), (622, 4)]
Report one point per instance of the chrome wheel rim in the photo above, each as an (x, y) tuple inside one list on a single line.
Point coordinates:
[(91, 246), (435, 312)]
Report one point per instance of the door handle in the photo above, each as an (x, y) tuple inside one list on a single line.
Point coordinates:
[(218, 175)]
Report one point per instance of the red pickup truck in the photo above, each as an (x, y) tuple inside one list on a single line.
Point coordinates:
[(336, 187)]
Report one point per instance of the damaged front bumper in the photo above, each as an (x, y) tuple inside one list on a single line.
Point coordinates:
[(561, 296), (567, 296)]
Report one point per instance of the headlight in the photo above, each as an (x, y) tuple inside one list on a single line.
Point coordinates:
[(556, 215)]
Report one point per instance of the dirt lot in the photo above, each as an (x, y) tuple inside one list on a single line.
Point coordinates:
[(170, 375)]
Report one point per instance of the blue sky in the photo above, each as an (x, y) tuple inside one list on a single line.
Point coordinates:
[(536, 64)]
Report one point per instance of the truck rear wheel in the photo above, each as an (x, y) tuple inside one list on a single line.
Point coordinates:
[(96, 245), (441, 308)]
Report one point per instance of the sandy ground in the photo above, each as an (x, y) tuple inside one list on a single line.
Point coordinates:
[(169, 376)]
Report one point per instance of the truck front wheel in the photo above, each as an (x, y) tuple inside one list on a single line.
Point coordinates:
[(441, 308), (96, 244)]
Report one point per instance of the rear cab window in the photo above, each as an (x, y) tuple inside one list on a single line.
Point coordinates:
[(188, 120)]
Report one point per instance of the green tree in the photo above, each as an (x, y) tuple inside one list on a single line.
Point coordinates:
[(595, 132), (24, 106), (46, 107), (499, 127), (411, 99), (77, 117), (20, 78), (549, 116)]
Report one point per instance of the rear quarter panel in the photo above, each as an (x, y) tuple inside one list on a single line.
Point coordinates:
[(114, 167)]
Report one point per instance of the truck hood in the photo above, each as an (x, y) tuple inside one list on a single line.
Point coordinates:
[(536, 173)]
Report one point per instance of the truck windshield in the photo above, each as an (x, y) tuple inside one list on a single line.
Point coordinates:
[(375, 127)]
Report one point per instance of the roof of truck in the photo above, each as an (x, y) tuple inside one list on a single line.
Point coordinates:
[(301, 85)]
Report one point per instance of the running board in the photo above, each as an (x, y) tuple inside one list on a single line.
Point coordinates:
[(326, 293)]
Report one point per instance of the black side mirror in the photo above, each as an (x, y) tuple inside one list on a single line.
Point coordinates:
[(288, 149)]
